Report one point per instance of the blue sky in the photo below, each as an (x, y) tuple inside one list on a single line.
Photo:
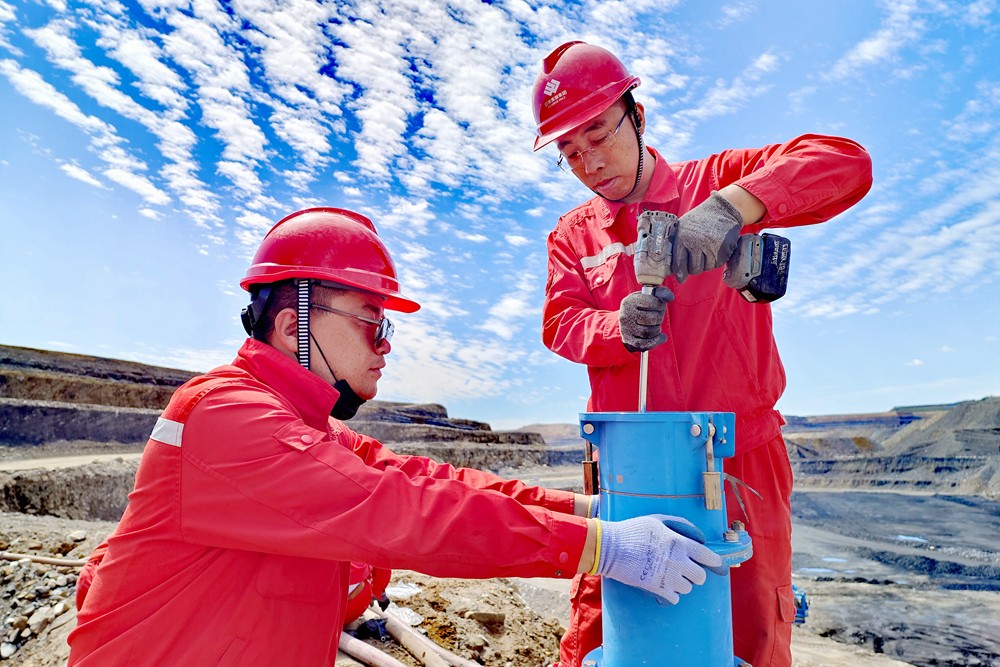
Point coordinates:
[(147, 146)]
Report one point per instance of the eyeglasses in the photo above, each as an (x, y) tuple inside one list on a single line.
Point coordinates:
[(605, 141), (383, 332)]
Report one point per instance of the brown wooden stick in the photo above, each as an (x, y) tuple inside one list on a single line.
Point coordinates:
[(366, 653), (46, 560), (399, 630)]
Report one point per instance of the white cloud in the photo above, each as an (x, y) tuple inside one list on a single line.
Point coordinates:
[(253, 227), (979, 118), (122, 165), (222, 90), (294, 53), (136, 51), (372, 59), (915, 362), (827, 308), (80, 174), (505, 315), (138, 55), (517, 240), (472, 238), (673, 134), (429, 364), (901, 28), (31, 84), (727, 97), (736, 12), (508, 314), (98, 82), (410, 216), (941, 216), (8, 14), (138, 184), (196, 360), (979, 13)]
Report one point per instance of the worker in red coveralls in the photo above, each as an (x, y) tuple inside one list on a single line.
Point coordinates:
[(253, 497), (710, 350)]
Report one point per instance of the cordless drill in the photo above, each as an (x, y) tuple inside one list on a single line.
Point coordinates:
[(654, 248), (758, 268)]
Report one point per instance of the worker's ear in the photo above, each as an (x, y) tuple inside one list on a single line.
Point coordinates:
[(284, 337), (640, 118)]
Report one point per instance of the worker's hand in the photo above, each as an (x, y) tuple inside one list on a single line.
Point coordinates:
[(644, 553), (640, 318), (706, 237)]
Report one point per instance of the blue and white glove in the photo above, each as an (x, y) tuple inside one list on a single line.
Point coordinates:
[(594, 508), (644, 553)]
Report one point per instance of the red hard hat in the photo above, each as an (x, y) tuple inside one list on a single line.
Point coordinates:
[(578, 82), (332, 245)]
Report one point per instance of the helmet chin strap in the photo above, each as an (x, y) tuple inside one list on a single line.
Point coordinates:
[(302, 332), (348, 401)]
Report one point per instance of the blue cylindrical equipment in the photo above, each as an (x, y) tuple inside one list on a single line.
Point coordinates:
[(667, 463)]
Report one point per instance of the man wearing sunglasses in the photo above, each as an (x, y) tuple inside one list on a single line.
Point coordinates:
[(253, 497), (709, 348)]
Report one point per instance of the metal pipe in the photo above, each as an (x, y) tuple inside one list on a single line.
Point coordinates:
[(644, 365)]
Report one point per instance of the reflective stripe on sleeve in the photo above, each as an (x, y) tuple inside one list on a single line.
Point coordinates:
[(168, 432), (607, 252)]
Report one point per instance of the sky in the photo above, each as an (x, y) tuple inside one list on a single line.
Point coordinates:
[(147, 146)]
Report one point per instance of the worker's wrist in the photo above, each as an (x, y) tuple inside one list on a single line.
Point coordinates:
[(589, 557), (751, 209)]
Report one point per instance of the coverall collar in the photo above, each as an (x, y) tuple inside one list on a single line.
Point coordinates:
[(662, 190), (310, 395)]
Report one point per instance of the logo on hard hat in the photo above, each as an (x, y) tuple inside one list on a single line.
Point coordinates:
[(551, 87)]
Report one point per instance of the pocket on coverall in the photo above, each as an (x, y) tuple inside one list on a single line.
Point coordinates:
[(233, 653), (786, 604), (296, 579), (605, 284)]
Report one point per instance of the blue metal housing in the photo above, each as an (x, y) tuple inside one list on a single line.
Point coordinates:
[(654, 463)]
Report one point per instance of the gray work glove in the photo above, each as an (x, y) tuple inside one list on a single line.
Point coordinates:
[(640, 318), (706, 237), (645, 553)]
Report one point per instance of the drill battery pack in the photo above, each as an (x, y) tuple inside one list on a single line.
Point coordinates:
[(759, 267)]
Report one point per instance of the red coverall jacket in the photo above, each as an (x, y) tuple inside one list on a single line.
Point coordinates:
[(249, 505), (720, 353)]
